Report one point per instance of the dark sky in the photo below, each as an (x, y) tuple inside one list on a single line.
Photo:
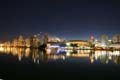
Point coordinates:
[(64, 18)]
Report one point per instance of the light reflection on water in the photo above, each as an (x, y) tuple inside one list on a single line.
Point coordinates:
[(104, 57)]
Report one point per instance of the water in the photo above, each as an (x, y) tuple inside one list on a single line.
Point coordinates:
[(21, 63)]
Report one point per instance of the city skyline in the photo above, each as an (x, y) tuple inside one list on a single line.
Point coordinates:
[(68, 19), (59, 39)]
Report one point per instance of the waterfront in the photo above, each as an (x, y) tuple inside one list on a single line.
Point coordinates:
[(21, 63)]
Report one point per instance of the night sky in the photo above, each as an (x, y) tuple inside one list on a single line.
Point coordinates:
[(63, 18)]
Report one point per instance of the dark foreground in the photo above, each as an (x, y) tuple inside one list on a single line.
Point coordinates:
[(75, 68)]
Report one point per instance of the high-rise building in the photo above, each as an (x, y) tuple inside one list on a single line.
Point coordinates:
[(116, 38), (21, 42), (15, 42), (97, 43), (91, 41), (104, 40), (45, 39), (27, 42), (34, 41)]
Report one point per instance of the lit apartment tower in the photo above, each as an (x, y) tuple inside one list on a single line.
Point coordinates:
[(116, 38), (27, 42), (34, 42), (21, 41), (45, 39), (15, 43), (91, 41), (104, 40), (31, 42), (97, 43)]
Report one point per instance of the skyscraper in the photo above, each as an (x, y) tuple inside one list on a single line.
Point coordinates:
[(116, 38), (27, 42), (45, 38), (34, 42), (91, 41), (104, 40), (21, 41)]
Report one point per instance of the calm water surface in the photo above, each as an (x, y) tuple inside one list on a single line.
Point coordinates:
[(21, 63)]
